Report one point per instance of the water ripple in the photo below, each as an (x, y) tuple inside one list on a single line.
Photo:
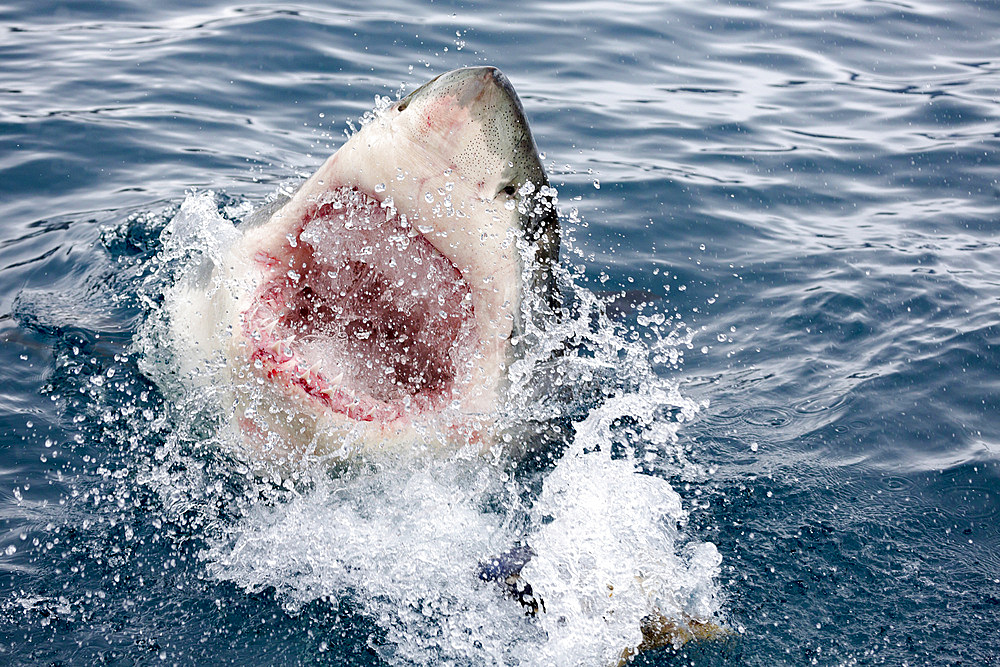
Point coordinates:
[(811, 186)]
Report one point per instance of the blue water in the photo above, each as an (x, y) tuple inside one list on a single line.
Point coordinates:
[(812, 186)]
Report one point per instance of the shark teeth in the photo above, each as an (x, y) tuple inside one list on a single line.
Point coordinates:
[(309, 372), (333, 391), (282, 348)]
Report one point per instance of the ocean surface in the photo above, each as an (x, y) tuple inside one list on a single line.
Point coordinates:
[(804, 198)]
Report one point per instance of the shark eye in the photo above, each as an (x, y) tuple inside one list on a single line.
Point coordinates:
[(510, 190), (402, 105)]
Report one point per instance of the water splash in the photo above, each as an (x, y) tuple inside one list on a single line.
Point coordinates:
[(401, 537), (605, 541)]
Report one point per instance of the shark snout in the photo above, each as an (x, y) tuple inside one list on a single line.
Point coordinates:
[(478, 85), (470, 90)]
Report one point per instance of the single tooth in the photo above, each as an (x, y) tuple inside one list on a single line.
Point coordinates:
[(280, 348), (338, 379), (309, 372)]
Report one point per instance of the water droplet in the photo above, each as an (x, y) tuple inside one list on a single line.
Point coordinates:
[(380, 187)]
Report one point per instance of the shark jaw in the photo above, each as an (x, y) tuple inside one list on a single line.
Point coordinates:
[(374, 310), (361, 315)]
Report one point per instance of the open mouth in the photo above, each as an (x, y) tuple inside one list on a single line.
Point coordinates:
[(361, 313)]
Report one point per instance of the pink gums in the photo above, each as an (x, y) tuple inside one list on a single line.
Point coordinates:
[(361, 313)]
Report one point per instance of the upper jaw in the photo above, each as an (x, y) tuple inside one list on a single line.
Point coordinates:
[(457, 216)]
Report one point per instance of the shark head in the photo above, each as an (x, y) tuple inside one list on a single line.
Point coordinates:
[(377, 306)]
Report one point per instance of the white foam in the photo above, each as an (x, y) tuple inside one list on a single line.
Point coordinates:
[(606, 554)]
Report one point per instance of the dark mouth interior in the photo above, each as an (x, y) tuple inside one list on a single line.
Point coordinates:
[(363, 311)]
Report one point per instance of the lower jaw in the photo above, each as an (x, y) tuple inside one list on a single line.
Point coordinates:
[(286, 426)]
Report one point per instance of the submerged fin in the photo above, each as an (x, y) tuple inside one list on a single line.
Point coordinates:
[(505, 570), (658, 631)]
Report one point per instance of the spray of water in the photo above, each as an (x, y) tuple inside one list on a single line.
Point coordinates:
[(403, 536)]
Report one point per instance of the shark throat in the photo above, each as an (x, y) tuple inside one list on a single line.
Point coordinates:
[(361, 312)]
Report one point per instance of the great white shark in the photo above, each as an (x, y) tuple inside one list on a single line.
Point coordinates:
[(377, 307)]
